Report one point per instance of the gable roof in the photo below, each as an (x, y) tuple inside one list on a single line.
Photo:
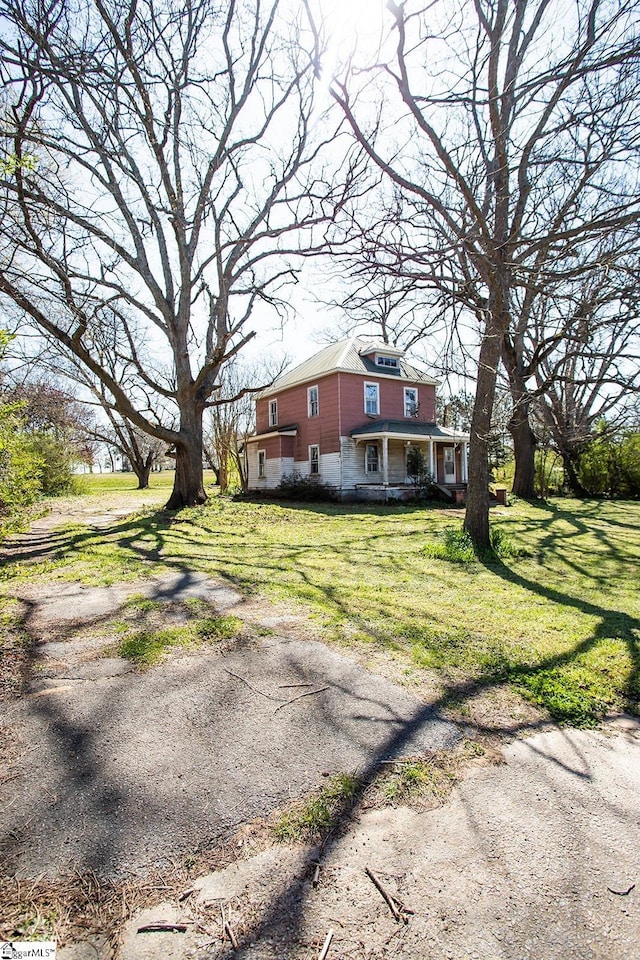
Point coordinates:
[(349, 356)]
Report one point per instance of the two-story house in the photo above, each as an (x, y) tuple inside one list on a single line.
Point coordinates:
[(349, 416)]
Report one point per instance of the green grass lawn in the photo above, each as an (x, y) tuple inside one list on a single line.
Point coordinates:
[(560, 624)]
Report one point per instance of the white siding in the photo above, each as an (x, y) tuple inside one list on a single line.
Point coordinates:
[(353, 471), (276, 468), (353, 462), (329, 468)]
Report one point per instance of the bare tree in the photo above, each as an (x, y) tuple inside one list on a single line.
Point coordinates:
[(588, 379), (513, 138), (179, 174), (140, 450), (231, 420), (585, 324)]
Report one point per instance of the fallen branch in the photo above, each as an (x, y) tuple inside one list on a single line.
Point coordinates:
[(163, 928), (324, 953), (308, 693), (399, 911), (289, 686), (227, 928), (267, 696), (622, 893)]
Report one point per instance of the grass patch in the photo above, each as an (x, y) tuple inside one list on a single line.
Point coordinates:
[(456, 546), (313, 818), (417, 777), (146, 638), (554, 611), (428, 781), (146, 647)]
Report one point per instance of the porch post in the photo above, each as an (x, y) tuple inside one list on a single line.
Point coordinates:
[(432, 469), (463, 462), (385, 461)]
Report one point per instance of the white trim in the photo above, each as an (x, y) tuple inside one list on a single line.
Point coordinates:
[(316, 473), (314, 386), (371, 383), (273, 412), (416, 403), (398, 378), (368, 472), (414, 437), (445, 450), (262, 467), (258, 437)]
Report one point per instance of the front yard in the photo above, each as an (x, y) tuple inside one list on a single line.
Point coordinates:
[(559, 625)]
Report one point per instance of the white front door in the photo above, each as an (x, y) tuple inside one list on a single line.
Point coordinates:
[(449, 465)]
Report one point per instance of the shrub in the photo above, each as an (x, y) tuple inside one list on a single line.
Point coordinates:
[(310, 488), (418, 474), (54, 455), (20, 471)]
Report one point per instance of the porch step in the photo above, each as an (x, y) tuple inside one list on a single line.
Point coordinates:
[(453, 492)]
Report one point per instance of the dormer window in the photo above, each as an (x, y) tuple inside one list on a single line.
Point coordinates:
[(382, 360)]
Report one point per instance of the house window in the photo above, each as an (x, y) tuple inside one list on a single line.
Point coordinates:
[(273, 413), (383, 361), (371, 399), (262, 463), (371, 458), (312, 401), (314, 459), (410, 402)]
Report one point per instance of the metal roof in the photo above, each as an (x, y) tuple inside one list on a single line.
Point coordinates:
[(346, 356), (408, 428)]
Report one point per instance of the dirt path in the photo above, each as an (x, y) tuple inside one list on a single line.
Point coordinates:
[(121, 773)]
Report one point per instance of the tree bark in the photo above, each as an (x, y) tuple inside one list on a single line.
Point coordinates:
[(569, 460), (524, 449), (142, 472), (524, 439), (188, 484), (476, 522)]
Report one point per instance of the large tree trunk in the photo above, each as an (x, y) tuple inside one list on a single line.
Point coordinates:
[(524, 449), (476, 521), (188, 485), (569, 462), (142, 471), (524, 439)]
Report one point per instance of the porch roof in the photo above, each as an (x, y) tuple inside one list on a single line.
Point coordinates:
[(408, 430), (289, 431)]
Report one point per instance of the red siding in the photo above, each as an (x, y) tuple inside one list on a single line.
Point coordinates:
[(341, 409), (391, 393), (293, 408)]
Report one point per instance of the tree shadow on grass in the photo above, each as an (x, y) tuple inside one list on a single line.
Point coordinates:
[(286, 913)]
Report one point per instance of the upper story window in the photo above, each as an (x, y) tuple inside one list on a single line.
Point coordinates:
[(312, 401), (372, 399), (385, 361), (411, 401), (273, 413), (314, 459)]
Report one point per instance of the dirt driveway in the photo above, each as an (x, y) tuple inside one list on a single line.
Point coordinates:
[(119, 773)]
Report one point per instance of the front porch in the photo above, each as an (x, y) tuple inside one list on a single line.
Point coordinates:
[(385, 447), (379, 493)]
